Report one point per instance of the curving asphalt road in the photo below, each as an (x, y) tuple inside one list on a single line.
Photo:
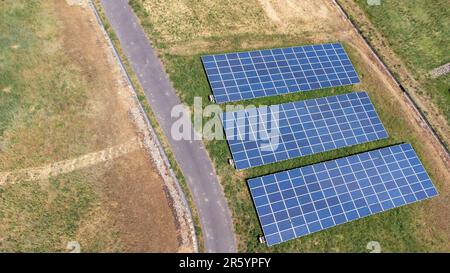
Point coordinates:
[(191, 156)]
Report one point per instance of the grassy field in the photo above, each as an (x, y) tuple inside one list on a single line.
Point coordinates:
[(419, 33), (38, 127), (182, 31), (60, 101)]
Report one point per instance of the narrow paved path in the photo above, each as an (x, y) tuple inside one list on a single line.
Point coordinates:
[(191, 156)]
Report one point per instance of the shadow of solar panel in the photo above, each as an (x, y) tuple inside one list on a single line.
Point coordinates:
[(266, 135), (302, 201), (263, 73)]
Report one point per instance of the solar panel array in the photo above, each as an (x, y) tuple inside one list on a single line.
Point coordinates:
[(305, 200), (262, 136), (261, 73), (302, 201)]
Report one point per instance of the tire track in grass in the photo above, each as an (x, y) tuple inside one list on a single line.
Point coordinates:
[(70, 165)]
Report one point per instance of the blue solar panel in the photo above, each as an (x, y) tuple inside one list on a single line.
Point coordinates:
[(262, 73), (302, 201), (266, 135)]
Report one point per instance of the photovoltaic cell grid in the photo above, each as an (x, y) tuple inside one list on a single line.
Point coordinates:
[(247, 75), (302, 201), (304, 128)]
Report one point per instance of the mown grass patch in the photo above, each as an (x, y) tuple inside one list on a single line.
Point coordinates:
[(44, 216)]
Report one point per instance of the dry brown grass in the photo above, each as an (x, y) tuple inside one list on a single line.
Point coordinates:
[(182, 20), (74, 101)]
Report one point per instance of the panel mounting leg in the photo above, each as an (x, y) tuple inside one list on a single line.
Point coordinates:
[(262, 239), (231, 162)]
